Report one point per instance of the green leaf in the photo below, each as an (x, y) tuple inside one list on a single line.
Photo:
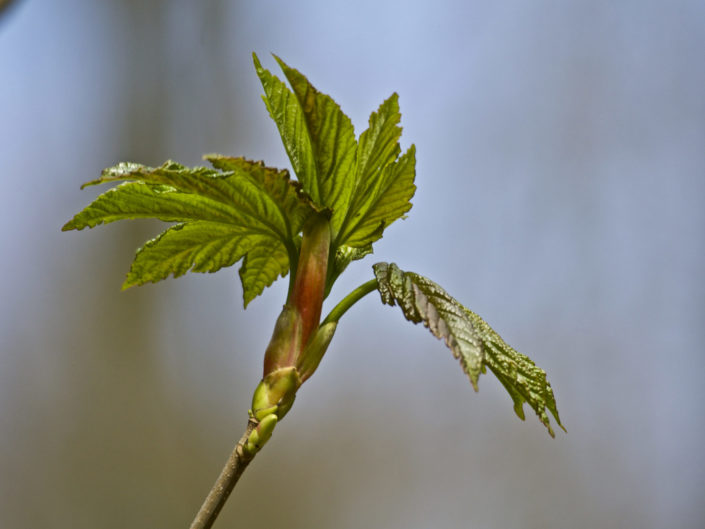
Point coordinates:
[(524, 381), (285, 198), (247, 193), (379, 144), (385, 199), (133, 200), (196, 246), (224, 213), (262, 265), (470, 339), (318, 137), (344, 255), (362, 188), (367, 186), (380, 196), (286, 112)]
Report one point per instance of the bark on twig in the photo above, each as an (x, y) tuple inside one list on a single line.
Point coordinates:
[(233, 469)]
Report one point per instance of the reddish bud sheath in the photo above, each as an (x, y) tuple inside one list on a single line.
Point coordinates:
[(285, 344), (300, 316), (310, 283)]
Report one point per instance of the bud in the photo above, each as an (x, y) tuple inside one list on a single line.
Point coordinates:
[(311, 357), (289, 349), (275, 393), (260, 435), (285, 344), (311, 273), (302, 312)]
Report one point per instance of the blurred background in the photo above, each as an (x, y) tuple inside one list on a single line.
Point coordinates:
[(561, 178)]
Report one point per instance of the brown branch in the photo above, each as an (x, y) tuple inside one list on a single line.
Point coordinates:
[(233, 469)]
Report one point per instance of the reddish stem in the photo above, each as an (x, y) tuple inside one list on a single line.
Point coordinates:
[(301, 315), (310, 283)]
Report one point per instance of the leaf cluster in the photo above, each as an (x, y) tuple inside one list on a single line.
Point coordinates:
[(243, 210)]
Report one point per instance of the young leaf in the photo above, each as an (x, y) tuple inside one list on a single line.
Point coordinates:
[(246, 193), (386, 199), (344, 255), (240, 207), (318, 137), (379, 144), (285, 197), (366, 186), (134, 200), (286, 112), (333, 142), (384, 185), (469, 337), (198, 246), (262, 265)]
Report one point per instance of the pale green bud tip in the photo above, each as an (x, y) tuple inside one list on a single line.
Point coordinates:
[(261, 434), (275, 393), (315, 350)]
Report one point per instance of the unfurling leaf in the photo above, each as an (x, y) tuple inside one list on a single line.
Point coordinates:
[(262, 265), (470, 339), (384, 183), (332, 141), (365, 184), (317, 135), (387, 199), (196, 246), (345, 255), (224, 215)]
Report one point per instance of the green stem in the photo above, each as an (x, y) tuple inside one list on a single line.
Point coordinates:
[(349, 300)]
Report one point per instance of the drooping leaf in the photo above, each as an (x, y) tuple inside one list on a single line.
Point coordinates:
[(469, 337), (331, 137), (424, 301), (224, 214), (523, 380), (262, 265)]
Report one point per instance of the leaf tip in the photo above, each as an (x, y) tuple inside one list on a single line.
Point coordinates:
[(554, 412), (279, 60), (131, 280), (258, 65), (519, 409)]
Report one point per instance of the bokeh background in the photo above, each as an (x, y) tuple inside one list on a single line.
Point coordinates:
[(561, 176)]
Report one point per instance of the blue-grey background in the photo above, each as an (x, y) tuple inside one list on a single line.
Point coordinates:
[(561, 182)]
